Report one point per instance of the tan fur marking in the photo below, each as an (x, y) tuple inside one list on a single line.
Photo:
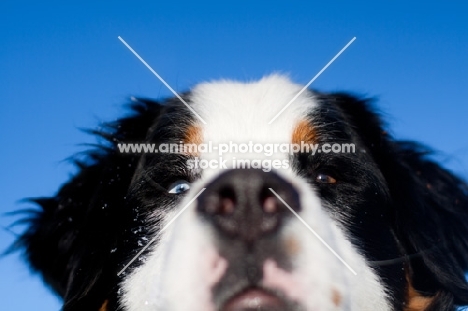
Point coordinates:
[(104, 306), (292, 246), (303, 132), (416, 301), (336, 298), (193, 135)]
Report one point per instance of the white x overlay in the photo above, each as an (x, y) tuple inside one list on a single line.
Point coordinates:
[(203, 121)]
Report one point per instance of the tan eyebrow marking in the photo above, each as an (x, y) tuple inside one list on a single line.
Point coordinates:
[(304, 132), (193, 136)]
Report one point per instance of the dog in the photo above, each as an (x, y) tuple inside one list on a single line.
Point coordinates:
[(380, 227)]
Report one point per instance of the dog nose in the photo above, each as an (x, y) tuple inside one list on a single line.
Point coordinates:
[(240, 205)]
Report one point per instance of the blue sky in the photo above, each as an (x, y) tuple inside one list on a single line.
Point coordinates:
[(63, 68)]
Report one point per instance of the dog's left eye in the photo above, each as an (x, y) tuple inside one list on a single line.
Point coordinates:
[(325, 179), (178, 187)]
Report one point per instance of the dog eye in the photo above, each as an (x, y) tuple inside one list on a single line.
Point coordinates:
[(179, 187), (325, 179)]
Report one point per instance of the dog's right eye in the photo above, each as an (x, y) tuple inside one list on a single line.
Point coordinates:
[(179, 187)]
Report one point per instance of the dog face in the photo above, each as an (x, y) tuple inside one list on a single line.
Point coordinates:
[(379, 228)]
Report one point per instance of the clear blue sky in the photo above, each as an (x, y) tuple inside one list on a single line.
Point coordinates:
[(62, 68)]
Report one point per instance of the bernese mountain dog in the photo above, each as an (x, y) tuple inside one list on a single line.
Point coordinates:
[(377, 227)]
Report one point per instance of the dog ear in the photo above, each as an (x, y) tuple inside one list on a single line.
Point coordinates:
[(431, 221), (71, 240), (430, 207)]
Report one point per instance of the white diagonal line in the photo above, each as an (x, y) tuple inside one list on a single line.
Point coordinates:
[(164, 228), (161, 79), (313, 79), (312, 230)]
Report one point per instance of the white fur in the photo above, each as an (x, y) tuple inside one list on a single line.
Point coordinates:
[(173, 276)]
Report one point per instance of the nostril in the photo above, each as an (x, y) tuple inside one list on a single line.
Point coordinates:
[(270, 205), (227, 201), (226, 206), (220, 202), (268, 201)]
